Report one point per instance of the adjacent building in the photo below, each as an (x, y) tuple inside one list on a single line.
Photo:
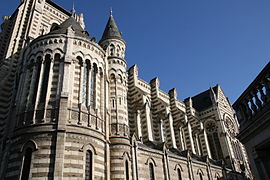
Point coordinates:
[(70, 109), (253, 112)]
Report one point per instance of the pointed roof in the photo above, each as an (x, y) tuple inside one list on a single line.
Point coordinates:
[(203, 100), (111, 31), (70, 22)]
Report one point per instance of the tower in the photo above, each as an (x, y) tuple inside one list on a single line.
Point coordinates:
[(71, 118), (59, 113), (31, 19), (115, 47)]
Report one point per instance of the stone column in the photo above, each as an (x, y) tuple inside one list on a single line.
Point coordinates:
[(63, 117), (208, 168), (89, 86), (23, 90), (181, 139), (101, 94), (190, 168), (191, 138), (207, 144), (166, 165), (48, 93), (198, 144), (60, 79), (81, 81), (172, 130), (39, 89), (95, 90), (162, 131), (134, 160), (148, 122), (139, 126)]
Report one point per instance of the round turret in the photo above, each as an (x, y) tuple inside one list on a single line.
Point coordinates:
[(115, 47), (60, 106)]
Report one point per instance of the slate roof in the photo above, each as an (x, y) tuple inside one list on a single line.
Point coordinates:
[(71, 21), (203, 100), (111, 31)]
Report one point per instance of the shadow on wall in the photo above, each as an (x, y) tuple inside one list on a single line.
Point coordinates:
[(232, 176)]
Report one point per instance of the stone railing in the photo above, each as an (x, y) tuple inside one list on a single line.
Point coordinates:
[(86, 119), (254, 99), (164, 96), (144, 85), (180, 105), (119, 129)]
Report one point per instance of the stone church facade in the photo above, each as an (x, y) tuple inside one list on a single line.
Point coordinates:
[(70, 109)]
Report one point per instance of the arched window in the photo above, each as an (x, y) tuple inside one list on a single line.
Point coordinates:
[(93, 86), (127, 170), (112, 50), (151, 171), (113, 103), (23, 94), (181, 139), (239, 150), (120, 78), (118, 50), (112, 82), (26, 164), (213, 139), (101, 90), (54, 27), (55, 80), (34, 73), (89, 165), (120, 100), (112, 78), (45, 78), (179, 174), (77, 86), (36, 80), (85, 83)]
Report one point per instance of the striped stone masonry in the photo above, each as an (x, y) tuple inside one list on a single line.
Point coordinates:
[(70, 109)]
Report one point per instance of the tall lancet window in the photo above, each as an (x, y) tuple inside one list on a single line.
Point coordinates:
[(36, 80), (85, 83), (112, 50), (213, 139), (179, 174), (89, 165), (55, 77), (32, 97), (45, 79), (93, 86), (151, 171), (78, 77), (26, 164), (101, 90), (127, 170), (200, 174)]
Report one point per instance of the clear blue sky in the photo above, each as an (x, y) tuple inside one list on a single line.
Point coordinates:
[(189, 44)]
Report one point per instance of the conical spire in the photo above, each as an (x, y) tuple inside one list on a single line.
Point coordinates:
[(111, 30)]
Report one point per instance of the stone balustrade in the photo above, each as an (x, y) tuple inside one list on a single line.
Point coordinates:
[(254, 99)]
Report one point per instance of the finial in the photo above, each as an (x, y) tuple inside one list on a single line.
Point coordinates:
[(73, 10), (111, 12)]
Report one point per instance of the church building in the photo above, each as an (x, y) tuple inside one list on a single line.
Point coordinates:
[(70, 108)]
